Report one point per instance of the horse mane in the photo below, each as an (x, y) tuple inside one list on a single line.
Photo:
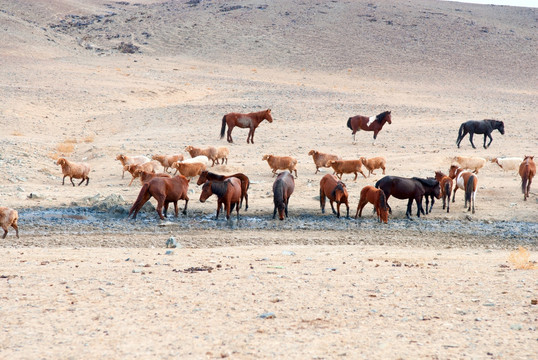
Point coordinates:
[(379, 118), (219, 187), (213, 176), (428, 182), (339, 186)]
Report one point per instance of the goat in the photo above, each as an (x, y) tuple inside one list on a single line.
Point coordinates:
[(74, 171), (222, 153)]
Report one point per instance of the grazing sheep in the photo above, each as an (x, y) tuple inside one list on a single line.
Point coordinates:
[(130, 160), (147, 176), (508, 163), (281, 163), (210, 152), (470, 162), (8, 217), (222, 153), (374, 163), (167, 160), (346, 167), (321, 159), (189, 170), (74, 171), (147, 167)]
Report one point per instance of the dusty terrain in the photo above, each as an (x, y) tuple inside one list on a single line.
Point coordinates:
[(91, 79)]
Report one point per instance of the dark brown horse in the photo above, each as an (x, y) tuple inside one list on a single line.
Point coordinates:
[(466, 181), (527, 170), (335, 190), (374, 123), (245, 183), (403, 188), (228, 193), (282, 189), (370, 194), (164, 190), (250, 121), (446, 189)]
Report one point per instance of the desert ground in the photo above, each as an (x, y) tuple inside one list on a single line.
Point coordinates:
[(88, 80)]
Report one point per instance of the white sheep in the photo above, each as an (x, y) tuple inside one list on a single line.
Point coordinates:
[(470, 162), (508, 163), (74, 171)]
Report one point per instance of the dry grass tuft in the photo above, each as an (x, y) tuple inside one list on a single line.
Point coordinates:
[(65, 147), (89, 139), (520, 259), (16, 133)]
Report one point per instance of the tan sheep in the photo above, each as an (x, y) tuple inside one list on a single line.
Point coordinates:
[(147, 167), (9, 217), (470, 162), (74, 171), (189, 170), (167, 160), (281, 163), (373, 163), (508, 163), (147, 176), (341, 167), (210, 151), (222, 154), (321, 159), (130, 160)]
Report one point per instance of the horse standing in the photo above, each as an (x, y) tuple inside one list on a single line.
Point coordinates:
[(446, 189), (335, 190), (245, 183), (527, 170), (370, 194), (228, 193), (402, 188), (374, 123), (466, 181), (282, 189), (164, 190), (250, 120), (432, 190), (479, 127)]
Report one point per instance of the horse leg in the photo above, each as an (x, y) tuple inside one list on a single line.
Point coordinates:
[(228, 207), (361, 205), (176, 210), (408, 211), (165, 209), (473, 197), (354, 142), (274, 211), (185, 208), (332, 207), (448, 202), (375, 136), (249, 134), (454, 194), (471, 134), (427, 203), (286, 206), (420, 209), (229, 133), (252, 135), (322, 201), (237, 209), (338, 208), (219, 205), (160, 204)]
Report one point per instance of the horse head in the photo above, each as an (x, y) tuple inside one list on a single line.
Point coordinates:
[(267, 115), (206, 191), (385, 117), (340, 192), (453, 171), (501, 127)]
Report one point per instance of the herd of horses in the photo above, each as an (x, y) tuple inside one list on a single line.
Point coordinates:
[(232, 190)]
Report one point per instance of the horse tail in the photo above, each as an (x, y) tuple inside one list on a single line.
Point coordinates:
[(460, 132), (524, 179), (223, 128), (382, 200), (469, 188), (279, 194), (138, 202), (447, 188), (349, 124)]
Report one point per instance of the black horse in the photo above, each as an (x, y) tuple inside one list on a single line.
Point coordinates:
[(479, 127), (432, 189), (405, 188)]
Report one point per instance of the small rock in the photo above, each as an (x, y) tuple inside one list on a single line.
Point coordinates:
[(516, 327), (287, 252), (171, 242), (269, 315), (169, 252)]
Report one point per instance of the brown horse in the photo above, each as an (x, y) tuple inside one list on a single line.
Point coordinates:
[(411, 189), (466, 181), (228, 193), (374, 123), (446, 189), (245, 183), (250, 120), (164, 190), (335, 190), (527, 170), (370, 194), (282, 189)]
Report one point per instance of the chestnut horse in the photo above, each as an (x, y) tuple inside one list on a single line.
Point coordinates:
[(374, 123), (245, 183), (335, 190), (403, 188), (282, 189), (165, 190), (370, 194), (466, 181), (228, 193), (527, 170), (446, 189), (250, 120)]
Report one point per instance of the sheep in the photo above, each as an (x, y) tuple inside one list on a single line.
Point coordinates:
[(210, 152), (198, 159), (373, 163), (147, 176), (222, 153), (321, 159), (147, 167), (281, 163), (74, 171), (129, 160), (167, 160), (9, 217), (471, 162), (508, 163), (346, 167), (189, 170)]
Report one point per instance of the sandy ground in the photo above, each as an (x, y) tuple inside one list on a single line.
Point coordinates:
[(431, 288)]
